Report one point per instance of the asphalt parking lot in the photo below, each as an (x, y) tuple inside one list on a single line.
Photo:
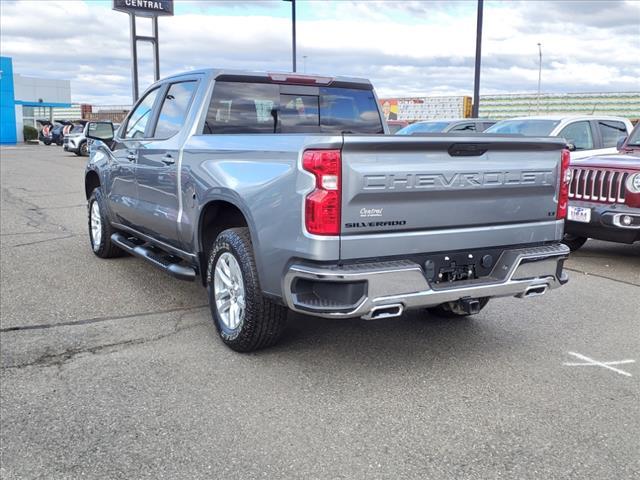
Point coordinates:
[(110, 369)]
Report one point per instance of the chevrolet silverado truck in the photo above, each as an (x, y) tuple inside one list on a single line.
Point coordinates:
[(281, 191)]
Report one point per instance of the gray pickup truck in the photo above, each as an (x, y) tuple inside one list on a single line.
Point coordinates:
[(282, 191)]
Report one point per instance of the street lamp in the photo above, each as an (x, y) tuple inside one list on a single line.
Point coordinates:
[(293, 31), (539, 75), (476, 80)]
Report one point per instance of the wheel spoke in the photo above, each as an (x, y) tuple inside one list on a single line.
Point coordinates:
[(224, 306), (222, 294), (224, 264), (223, 275)]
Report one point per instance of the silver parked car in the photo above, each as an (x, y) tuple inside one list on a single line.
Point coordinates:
[(585, 135), (467, 125), (76, 141)]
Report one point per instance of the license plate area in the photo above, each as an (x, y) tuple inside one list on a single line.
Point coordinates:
[(579, 214), (447, 268)]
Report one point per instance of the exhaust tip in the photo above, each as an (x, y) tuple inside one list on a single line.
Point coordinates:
[(535, 291), (384, 311)]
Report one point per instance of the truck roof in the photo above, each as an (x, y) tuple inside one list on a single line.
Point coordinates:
[(217, 72)]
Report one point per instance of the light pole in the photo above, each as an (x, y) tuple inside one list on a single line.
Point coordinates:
[(293, 31), (539, 75), (476, 81)]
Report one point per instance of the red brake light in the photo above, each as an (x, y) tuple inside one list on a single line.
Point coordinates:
[(565, 179), (322, 206), (300, 79)]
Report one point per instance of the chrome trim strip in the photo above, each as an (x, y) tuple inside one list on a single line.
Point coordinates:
[(609, 197), (577, 192), (606, 173), (621, 187), (572, 172)]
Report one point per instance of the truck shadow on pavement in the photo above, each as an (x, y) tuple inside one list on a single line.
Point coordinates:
[(414, 337)]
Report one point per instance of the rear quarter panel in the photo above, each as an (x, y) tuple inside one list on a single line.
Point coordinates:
[(260, 175)]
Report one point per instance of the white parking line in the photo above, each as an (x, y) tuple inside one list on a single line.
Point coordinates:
[(590, 362)]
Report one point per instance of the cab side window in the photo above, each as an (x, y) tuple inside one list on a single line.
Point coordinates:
[(611, 131), (579, 134), (137, 123), (175, 106)]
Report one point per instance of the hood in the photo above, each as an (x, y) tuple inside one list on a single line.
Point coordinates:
[(626, 161)]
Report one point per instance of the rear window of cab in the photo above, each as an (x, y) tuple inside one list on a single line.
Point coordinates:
[(245, 107)]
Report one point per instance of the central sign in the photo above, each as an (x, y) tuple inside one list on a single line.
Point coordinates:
[(145, 8)]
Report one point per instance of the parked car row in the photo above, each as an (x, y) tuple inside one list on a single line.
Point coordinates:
[(71, 136), (585, 135), (604, 185)]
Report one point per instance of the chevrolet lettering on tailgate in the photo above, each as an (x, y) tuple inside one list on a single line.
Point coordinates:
[(439, 181)]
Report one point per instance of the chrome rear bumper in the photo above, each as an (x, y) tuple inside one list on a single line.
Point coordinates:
[(395, 286)]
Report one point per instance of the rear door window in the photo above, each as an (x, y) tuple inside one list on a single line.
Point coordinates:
[(241, 107), (579, 134), (611, 131), (175, 106)]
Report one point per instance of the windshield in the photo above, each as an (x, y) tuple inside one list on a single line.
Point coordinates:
[(634, 138), (423, 127), (530, 128)]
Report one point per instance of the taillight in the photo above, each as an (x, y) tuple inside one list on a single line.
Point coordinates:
[(565, 179), (322, 206)]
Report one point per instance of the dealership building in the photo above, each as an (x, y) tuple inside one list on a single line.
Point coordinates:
[(25, 100)]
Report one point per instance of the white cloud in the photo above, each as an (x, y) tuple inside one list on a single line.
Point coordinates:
[(405, 48)]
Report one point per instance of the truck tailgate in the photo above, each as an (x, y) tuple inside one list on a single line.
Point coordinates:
[(445, 183)]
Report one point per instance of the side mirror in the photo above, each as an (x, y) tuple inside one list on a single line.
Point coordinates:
[(621, 142), (571, 147), (102, 131)]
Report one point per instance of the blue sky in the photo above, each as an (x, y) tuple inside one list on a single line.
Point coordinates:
[(404, 47)]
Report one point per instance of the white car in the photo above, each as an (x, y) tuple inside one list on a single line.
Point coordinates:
[(586, 135)]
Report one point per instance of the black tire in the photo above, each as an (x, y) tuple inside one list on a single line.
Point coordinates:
[(573, 242), (103, 248), (262, 321), (47, 141), (83, 149), (445, 310)]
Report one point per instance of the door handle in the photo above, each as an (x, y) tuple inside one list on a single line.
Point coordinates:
[(131, 157), (168, 160)]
